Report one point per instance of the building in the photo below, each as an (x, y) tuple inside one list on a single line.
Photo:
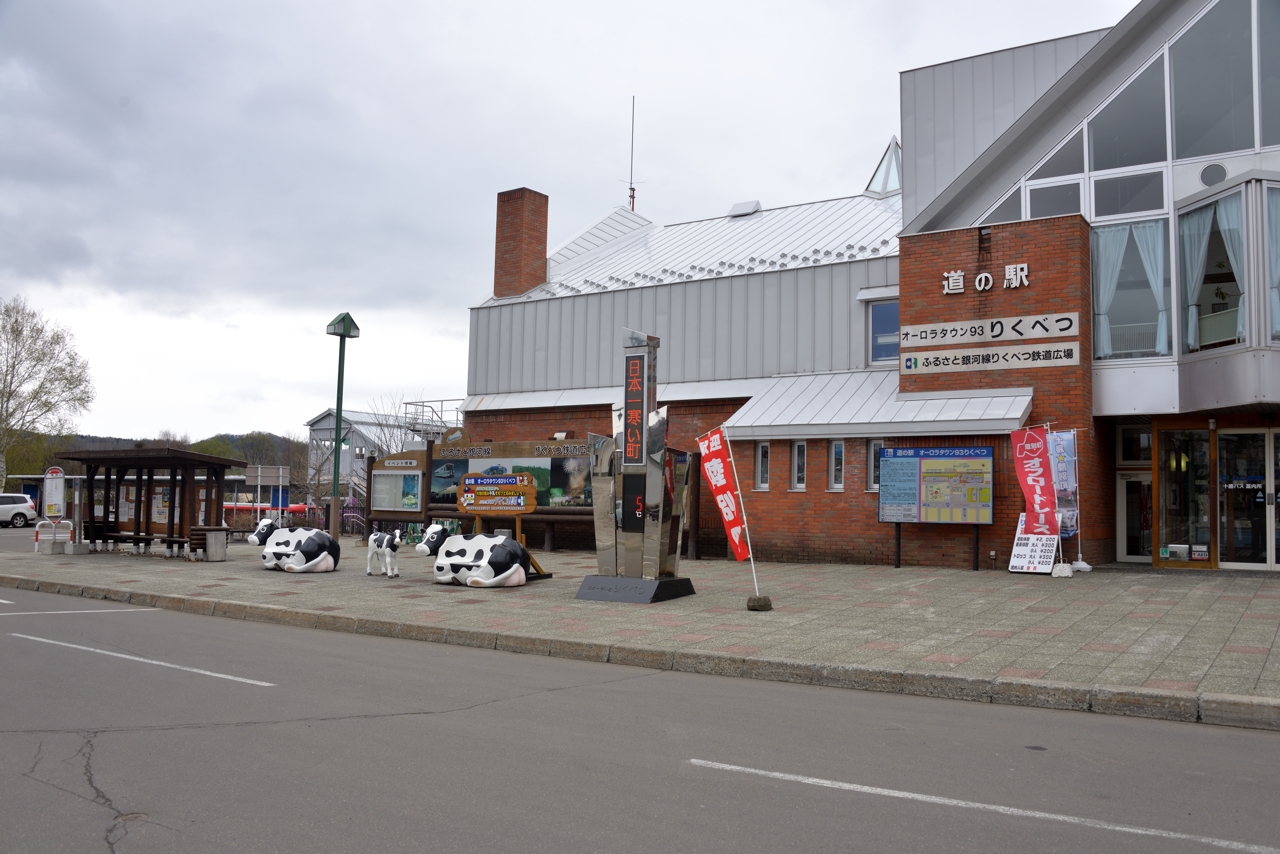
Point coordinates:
[(1119, 188)]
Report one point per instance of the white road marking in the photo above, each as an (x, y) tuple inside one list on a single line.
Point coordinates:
[(996, 808), (81, 611), (147, 660), (7, 602)]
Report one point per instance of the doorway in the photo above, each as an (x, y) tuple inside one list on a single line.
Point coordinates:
[(1248, 470), (1133, 517)]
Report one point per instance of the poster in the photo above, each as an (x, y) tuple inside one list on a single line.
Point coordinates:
[(1062, 454), (505, 494), (396, 491), (717, 468), (55, 493), (949, 486), (560, 470), (1034, 553), (1033, 468)]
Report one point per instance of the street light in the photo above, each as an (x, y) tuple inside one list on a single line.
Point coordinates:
[(343, 326)]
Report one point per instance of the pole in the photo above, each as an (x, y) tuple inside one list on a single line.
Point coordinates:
[(897, 545), (743, 506), (1079, 565), (975, 548), (335, 509)]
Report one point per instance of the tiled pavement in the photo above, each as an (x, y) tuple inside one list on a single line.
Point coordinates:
[(1186, 632)]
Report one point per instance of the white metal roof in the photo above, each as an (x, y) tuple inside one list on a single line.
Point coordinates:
[(854, 228), (667, 393), (867, 403)]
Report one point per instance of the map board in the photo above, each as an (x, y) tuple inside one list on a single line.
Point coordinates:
[(949, 486)]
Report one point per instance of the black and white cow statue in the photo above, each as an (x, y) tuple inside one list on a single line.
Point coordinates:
[(295, 549), (476, 560), (384, 547)]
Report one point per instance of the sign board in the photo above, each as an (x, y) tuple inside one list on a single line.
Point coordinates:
[(1053, 355), (717, 468), (1034, 553), (634, 418), (266, 475), (1001, 330), (498, 495), (55, 493), (937, 485), (396, 492), (560, 469)]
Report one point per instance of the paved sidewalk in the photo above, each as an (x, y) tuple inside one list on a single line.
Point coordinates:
[(1128, 642)]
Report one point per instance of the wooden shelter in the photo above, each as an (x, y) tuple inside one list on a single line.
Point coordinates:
[(185, 521)]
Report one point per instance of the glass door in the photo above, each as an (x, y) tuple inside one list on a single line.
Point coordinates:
[(1185, 500), (1244, 518), (1133, 517)]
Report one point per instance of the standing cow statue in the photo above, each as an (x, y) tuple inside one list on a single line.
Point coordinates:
[(384, 546), (475, 560), (295, 549)]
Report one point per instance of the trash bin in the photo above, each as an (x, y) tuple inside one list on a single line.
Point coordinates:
[(215, 546)]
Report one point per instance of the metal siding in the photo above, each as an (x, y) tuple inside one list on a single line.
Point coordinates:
[(662, 328), (911, 143), (678, 343), (692, 330), (841, 297), (772, 321), (787, 323), (753, 337), (823, 319), (738, 328), (984, 99), (504, 349), (706, 332), (926, 125), (963, 118), (944, 156), (474, 365), (723, 327), (806, 319)]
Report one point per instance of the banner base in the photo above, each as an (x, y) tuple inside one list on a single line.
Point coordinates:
[(616, 588)]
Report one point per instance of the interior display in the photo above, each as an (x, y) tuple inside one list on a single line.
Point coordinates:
[(295, 549), (383, 549)]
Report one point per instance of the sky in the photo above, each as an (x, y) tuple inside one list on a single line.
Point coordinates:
[(196, 189)]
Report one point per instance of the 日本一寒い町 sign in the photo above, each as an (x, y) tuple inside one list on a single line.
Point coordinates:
[(1002, 330), (1052, 355), (937, 485)]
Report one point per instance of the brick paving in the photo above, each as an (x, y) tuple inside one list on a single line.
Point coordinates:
[(1194, 631)]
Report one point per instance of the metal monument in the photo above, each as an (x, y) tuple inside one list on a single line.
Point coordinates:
[(639, 487)]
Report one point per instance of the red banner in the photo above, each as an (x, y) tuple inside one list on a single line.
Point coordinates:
[(718, 470), (1035, 475)]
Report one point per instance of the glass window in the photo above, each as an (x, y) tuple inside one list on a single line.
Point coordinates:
[(1185, 511), (1054, 201), (873, 463), (1269, 70), (1068, 160), (835, 464), (1135, 445), (1010, 210), (798, 464), (1128, 194), (1211, 74), (1129, 131), (762, 465), (1131, 317), (1273, 252), (1242, 497), (884, 331), (1211, 258)]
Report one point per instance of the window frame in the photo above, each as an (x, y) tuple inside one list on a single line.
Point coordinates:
[(757, 484), (873, 456), (832, 486), (1120, 460), (799, 466), (1249, 291), (1047, 183), (871, 337)]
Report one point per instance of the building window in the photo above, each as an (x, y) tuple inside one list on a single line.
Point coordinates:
[(1211, 75), (1128, 194), (1273, 250), (1130, 290), (884, 331), (1010, 210), (1130, 131), (1134, 446), (762, 465), (873, 464), (835, 465), (1211, 258), (798, 465), (1057, 200)]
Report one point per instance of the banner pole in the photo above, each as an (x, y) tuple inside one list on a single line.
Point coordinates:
[(746, 525), (1079, 565)]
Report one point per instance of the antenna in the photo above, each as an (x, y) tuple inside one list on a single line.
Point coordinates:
[(631, 180)]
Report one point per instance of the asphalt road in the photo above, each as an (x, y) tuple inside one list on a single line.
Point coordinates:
[(18, 539), (358, 743)]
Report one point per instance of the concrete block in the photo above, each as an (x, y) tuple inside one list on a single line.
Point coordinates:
[(263, 613), (198, 605), (9, 580), (805, 673), (75, 548), (422, 632), (335, 623), (118, 594), (138, 597), (951, 686), (1241, 711), (471, 637), (89, 592), (710, 663), (298, 617), (227, 608), (47, 586), (172, 603), (1145, 703), (580, 650), (380, 628), (639, 656), (861, 678), (26, 584), (524, 644), (1041, 694), (70, 589)]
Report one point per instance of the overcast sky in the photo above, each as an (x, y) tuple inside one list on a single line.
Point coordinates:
[(196, 188)]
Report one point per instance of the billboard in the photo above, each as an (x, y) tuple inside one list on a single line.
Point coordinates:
[(945, 486)]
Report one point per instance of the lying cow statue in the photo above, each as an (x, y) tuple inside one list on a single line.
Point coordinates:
[(384, 546), (295, 549), (475, 560)]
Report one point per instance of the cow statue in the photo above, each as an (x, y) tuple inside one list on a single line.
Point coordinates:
[(475, 560), (295, 549), (384, 547)]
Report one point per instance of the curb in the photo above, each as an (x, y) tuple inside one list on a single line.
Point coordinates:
[(1187, 706)]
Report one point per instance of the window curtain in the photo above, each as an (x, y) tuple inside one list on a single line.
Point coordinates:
[(1231, 224), (1150, 239), (1273, 242), (1107, 250), (1193, 248)]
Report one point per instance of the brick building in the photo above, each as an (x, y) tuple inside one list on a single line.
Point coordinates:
[(1083, 232)]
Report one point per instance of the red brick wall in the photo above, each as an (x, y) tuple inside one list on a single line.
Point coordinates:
[(520, 255)]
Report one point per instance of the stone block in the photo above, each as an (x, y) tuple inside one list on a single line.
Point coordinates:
[(138, 597), (26, 584), (380, 628), (1241, 711), (229, 609), (263, 613), (471, 637), (950, 686), (171, 603), (524, 644), (9, 580), (118, 594), (422, 632), (1041, 694), (70, 589), (639, 656), (90, 592), (580, 650), (861, 678), (803, 672), (199, 605), (335, 622), (1145, 703), (46, 586), (298, 617), (710, 663)]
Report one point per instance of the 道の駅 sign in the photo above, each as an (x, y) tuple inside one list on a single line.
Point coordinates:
[(1025, 327), (717, 468)]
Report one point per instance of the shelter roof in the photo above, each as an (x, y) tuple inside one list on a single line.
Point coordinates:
[(157, 458)]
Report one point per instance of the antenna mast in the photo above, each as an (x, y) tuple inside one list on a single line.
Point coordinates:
[(631, 181)]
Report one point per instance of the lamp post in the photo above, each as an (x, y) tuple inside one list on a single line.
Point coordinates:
[(344, 327)]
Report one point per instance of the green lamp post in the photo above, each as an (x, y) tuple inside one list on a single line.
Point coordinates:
[(344, 327)]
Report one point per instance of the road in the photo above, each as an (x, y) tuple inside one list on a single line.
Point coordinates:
[(273, 738), (18, 539)]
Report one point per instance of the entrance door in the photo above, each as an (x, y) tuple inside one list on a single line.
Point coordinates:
[(1133, 516), (1247, 476)]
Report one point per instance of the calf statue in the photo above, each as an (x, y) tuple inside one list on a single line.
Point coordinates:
[(384, 546), (295, 549), (475, 560)]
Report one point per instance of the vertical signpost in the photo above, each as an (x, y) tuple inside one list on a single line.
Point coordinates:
[(55, 494), (344, 327)]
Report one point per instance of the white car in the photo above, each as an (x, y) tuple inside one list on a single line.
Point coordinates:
[(17, 510)]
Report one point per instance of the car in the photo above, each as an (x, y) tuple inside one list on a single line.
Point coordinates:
[(17, 510)]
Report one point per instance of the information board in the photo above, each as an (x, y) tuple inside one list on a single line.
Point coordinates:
[(948, 486), (1035, 553), (500, 495)]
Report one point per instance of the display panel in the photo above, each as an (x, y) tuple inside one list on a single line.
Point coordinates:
[(396, 491), (937, 485)]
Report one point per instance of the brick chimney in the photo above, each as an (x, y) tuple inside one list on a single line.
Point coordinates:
[(520, 253)]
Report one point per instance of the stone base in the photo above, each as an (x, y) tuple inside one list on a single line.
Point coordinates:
[(615, 588), (76, 548)]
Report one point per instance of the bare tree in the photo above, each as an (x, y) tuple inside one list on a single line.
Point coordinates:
[(44, 383), (389, 432), (173, 440)]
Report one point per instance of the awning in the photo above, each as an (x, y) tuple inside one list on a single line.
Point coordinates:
[(852, 404)]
